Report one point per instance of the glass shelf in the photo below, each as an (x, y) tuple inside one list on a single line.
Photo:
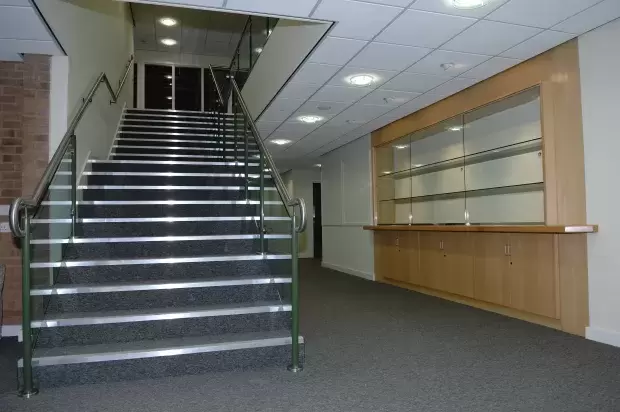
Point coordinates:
[(486, 164)]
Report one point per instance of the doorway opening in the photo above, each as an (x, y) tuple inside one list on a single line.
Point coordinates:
[(317, 223)]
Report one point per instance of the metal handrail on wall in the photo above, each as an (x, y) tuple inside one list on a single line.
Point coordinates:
[(19, 215), (291, 205)]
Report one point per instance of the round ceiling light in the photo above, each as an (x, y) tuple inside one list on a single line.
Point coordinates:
[(168, 21), (280, 142), (310, 118), (361, 79), (468, 4), (168, 42)]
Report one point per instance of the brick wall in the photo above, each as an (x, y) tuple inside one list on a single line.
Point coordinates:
[(24, 153)]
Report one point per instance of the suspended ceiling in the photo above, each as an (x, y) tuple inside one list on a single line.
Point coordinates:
[(404, 44)]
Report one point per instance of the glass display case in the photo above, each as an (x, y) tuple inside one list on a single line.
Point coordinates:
[(481, 167)]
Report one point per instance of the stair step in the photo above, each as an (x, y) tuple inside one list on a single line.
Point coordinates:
[(195, 179), (157, 261), (171, 166), (146, 315), (162, 358), (180, 271), (165, 192), (216, 143), (149, 239), (178, 148), (74, 289), (95, 303), (197, 210), (158, 348), (138, 120)]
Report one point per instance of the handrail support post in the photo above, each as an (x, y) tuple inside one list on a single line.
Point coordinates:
[(295, 365)]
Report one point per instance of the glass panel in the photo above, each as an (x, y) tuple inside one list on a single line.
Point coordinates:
[(187, 89), (504, 164), (210, 92), (437, 174), (157, 87)]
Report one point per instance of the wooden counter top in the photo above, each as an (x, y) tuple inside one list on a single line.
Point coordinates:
[(489, 228)]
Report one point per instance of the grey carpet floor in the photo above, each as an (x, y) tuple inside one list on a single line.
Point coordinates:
[(373, 347)]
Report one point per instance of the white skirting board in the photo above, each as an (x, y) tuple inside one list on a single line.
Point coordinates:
[(349, 271), (608, 336), (11, 330)]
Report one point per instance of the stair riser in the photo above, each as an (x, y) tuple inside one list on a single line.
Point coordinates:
[(136, 155), (162, 142), (240, 151), (94, 302), (165, 249), (164, 329), (246, 359), (175, 180), (171, 168), (180, 271), (132, 120), (204, 136), (162, 194)]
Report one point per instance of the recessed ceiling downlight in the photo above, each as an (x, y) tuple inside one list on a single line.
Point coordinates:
[(361, 79), (468, 4), (310, 118), (280, 142), (168, 21), (168, 42)]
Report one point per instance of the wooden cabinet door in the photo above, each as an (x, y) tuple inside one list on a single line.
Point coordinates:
[(410, 251), (431, 260), (532, 281), (386, 254), (458, 264), (491, 267)]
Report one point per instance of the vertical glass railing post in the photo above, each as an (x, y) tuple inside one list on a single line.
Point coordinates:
[(295, 365), (234, 105), (27, 390), (261, 172), (251, 51), (74, 184)]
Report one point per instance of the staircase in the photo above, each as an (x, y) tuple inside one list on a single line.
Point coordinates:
[(166, 273)]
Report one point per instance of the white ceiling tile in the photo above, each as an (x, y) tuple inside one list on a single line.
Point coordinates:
[(300, 91), (299, 8), (294, 130), (15, 3), (460, 62), (453, 86), (280, 109), (490, 68), (388, 56), (537, 44), (7, 56), (315, 73), (344, 124), (364, 112), (381, 76), (336, 50), (424, 29), (356, 20), (340, 94), (21, 23), (591, 18), (490, 38), (415, 82), (388, 98), (445, 6), (266, 128), (539, 13), (414, 105), (399, 3), (324, 109)]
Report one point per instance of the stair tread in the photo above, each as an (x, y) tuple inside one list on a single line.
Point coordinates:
[(171, 313), (158, 348), (66, 289), (158, 260)]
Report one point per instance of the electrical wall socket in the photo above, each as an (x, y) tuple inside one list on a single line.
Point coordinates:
[(4, 227)]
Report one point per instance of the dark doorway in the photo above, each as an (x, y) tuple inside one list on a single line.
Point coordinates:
[(187, 89), (157, 87), (317, 221)]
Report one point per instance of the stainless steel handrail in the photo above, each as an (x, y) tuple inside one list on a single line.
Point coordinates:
[(217, 87), (277, 178), (35, 200)]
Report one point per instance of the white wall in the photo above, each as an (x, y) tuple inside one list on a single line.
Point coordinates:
[(289, 43), (299, 183), (97, 36), (599, 59), (181, 59), (346, 195)]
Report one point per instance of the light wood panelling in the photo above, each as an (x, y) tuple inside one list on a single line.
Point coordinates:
[(532, 281), (513, 313), (410, 249), (491, 267), (431, 260), (573, 288), (386, 254), (458, 264), (486, 228)]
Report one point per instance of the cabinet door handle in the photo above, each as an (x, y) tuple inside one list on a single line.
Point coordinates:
[(509, 250), (441, 245), (505, 250)]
